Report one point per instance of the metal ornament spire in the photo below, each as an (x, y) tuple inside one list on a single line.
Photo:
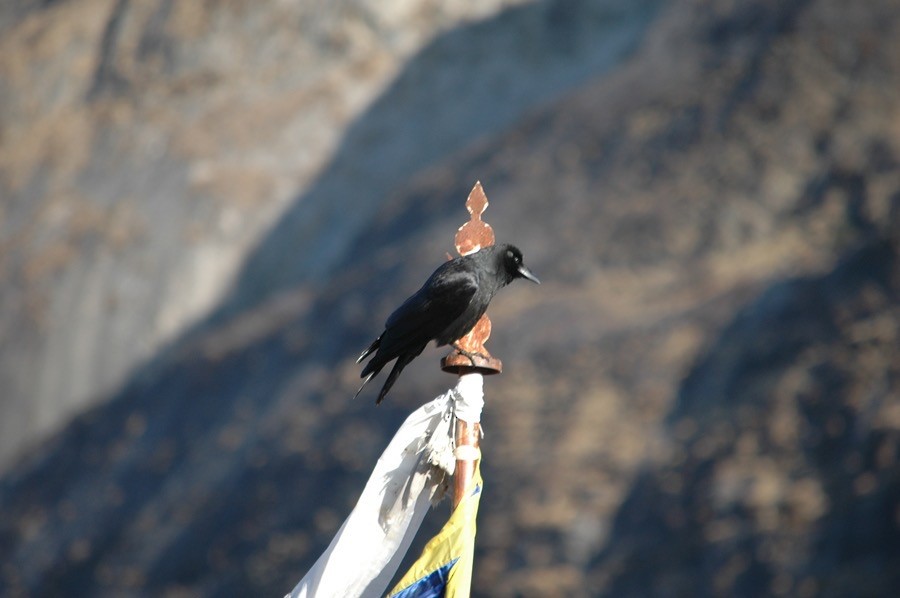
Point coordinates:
[(471, 236)]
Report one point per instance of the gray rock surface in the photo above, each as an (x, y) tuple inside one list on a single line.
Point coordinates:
[(149, 147), (700, 399)]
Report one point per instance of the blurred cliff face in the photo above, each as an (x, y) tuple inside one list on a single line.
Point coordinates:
[(147, 147), (218, 206)]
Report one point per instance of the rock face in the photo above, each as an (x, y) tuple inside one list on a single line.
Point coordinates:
[(149, 146), (701, 399), (782, 476)]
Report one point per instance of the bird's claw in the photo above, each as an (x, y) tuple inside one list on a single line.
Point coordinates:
[(471, 355)]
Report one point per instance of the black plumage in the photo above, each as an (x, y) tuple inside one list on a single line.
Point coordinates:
[(447, 306)]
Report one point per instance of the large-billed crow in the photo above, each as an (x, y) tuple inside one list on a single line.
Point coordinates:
[(447, 306)]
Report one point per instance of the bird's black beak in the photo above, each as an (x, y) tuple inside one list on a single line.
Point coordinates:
[(526, 273)]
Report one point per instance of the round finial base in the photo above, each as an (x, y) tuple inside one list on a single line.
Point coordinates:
[(459, 364)]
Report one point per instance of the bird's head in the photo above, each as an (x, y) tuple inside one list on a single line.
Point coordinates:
[(514, 266)]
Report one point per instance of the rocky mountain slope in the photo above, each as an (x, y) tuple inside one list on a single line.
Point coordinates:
[(701, 399), (147, 147)]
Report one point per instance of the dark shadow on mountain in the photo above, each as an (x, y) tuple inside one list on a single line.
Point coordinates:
[(468, 84), (782, 477), (227, 462)]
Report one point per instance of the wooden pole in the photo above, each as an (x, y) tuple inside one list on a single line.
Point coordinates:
[(471, 236)]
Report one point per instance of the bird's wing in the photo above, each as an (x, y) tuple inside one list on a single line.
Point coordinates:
[(425, 315)]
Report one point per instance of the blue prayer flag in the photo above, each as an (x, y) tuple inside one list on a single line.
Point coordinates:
[(445, 567)]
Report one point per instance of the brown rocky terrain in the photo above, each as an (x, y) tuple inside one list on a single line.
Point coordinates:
[(700, 400), (147, 146)]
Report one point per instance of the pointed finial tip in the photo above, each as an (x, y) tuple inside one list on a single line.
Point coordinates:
[(477, 202)]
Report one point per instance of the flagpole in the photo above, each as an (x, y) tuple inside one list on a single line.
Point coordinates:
[(447, 560), (367, 549), (474, 361)]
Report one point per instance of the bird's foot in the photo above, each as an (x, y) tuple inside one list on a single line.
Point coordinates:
[(469, 354)]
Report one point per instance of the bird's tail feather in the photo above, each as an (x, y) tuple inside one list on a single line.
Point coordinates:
[(363, 385), (375, 344), (401, 363)]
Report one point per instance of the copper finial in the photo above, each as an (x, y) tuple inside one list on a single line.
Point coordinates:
[(472, 236)]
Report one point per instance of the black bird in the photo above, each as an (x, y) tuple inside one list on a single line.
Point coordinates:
[(446, 308)]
